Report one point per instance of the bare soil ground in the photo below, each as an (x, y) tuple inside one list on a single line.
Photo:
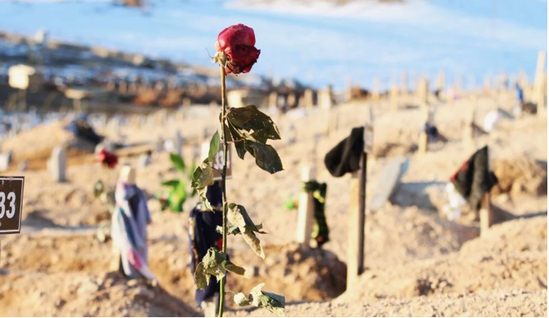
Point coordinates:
[(417, 262)]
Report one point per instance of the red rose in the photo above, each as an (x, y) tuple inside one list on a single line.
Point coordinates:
[(107, 158), (237, 42)]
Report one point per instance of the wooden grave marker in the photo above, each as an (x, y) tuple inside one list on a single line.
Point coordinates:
[(306, 209), (486, 214), (357, 213)]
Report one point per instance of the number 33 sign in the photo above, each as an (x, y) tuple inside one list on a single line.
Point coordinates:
[(11, 204)]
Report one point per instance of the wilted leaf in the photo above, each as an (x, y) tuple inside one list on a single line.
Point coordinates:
[(202, 176), (213, 264), (235, 269), (254, 243), (240, 149), (171, 183), (202, 196), (273, 302), (266, 156), (200, 278), (250, 118), (227, 133), (214, 146), (178, 162), (238, 216), (241, 299), (234, 230)]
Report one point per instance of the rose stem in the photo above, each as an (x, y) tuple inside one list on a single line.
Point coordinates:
[(223, 179)]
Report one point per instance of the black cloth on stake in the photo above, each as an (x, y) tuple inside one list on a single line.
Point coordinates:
[(345, 157), (474, 179)]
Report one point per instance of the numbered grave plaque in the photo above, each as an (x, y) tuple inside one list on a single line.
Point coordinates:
[(217, 163), (11, 204)]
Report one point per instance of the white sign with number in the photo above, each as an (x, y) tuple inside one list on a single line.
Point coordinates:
[(369, 138), (217, 163)]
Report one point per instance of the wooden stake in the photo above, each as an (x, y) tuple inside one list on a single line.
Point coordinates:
[(394, 98), (423, 143), (306, 209), (357, 217), (375, 89), (486, 214), (469, 132), (540, 84)]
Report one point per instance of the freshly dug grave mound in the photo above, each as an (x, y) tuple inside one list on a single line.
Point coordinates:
[(455, 273), (511, 255), (84, 294), (311, 274), (396, 236), (518, 235), (520, 176), (298, 274)]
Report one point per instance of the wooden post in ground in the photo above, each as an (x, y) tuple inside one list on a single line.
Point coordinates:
[(375, 89), (422, 93), (394, 98), (404, 87), (306, 209), (357, 212), (469, 132), (57, 164), (540, 84), (486, 214), (441, 81)]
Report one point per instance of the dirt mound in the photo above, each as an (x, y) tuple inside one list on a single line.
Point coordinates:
[(510, 303), (519, 235), (396, 236), (82, 294), (455, 273), (511, 255), (520, 176), (312, 274)]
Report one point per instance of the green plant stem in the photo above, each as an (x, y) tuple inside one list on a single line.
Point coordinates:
[(223, 181)]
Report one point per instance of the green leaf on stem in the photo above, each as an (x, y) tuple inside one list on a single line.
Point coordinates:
[(250, 118), (178, 162), (214, 146)]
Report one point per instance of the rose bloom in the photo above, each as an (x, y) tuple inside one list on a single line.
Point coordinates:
[(237, 42), (108, 159)]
